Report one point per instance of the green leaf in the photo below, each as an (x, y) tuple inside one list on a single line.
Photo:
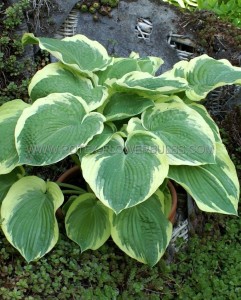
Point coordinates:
[(122, 66), (87, 222), (7, 180), (123, 174), (67, 204), (9, 115), (54, 127), (98, 141), (165, 198), (120, 106), (150, 64), (28, 214), (135, 124), (204, 113), (214, 187), (204, 74), (144, 83), (142, 232), (58, 78), (77, 52), (187, 137)]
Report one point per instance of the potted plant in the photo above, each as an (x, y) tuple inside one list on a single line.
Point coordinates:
[(131, 130)]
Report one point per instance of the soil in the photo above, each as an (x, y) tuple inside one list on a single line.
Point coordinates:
[(213, 36)]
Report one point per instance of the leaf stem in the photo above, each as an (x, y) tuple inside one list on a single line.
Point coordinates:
[(74, 192), (70, 186)]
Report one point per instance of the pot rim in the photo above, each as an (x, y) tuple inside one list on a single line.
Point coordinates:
[(172, 213)]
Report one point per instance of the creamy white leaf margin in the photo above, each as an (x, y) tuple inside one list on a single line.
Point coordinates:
[(60, 121), (70, 52), (214, 187), (28, 214), (9, 115)]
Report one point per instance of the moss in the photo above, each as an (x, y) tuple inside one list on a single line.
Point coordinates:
[(231, 133), (14, 70), (218, 38), (208, 268)]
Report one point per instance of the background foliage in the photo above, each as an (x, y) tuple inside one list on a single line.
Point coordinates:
[(229, 10), (12, 84)]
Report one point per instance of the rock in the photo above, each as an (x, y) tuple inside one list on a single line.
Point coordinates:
[(118, 32), (47, 18), (118, 35)]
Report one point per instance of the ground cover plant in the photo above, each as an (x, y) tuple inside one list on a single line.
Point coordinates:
[(15, 69), (131, 130), (209, 266)]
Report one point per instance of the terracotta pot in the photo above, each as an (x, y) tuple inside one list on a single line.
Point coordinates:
[(70, 174), (75, 172), (172, 214)]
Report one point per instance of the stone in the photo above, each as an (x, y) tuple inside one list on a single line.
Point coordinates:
[(118, 35), (118, 32)]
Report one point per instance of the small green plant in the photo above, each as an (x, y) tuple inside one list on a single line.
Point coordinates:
[(96, 7), (13, 82), (131, 130), (208, 266), (229, 10)]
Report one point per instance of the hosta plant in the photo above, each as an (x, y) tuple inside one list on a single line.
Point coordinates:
[(131, 131)]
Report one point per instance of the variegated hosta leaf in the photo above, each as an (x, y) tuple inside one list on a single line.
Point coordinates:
[(214, 187), (7, 180), (88, 222), (135, 124), (28, 214), (120, 106), (122, 66), (204, 74), (165, 198), (9, 115), (204, 113), (123, 174), (67, 204), (54, 127), (187, 137), (78, 52), (150, 64), (142, 232), (142, 82), (58, 78), (98, 141)]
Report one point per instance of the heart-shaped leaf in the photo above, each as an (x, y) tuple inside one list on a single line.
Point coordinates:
[(123, 174), (187, 137), (58, 78), (87, 222), (28, 214), (77, 52), (54, 127), (204, 74), (214, 187), (123, 105), (143, 232), (7, 180), (9, 115)]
